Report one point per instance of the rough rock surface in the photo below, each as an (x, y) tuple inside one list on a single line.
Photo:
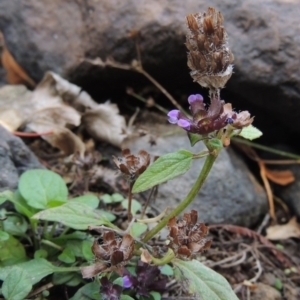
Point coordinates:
[(230, 195), (15, 158), (264, 37)]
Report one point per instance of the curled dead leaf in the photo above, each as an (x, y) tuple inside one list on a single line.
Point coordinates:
[(283, 232), (15, 73), (284, 177), (145, 256), (104, 123)]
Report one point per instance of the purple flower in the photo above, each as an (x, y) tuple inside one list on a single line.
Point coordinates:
[(127, 282), (147, 279), (204, 120)]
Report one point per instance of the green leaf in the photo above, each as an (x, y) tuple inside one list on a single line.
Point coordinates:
[(90, 291), (62, 278), (250, 133), (127, 297), (194, 138), (135, 206), (118, 281), (67, 256), (15, 225), (70, 279), (167, 270), (6, 195), (155, 295), (11, 249), (21, 206), (278, 284), (4, 236), (137, 229), (41, 253), (16, 285), (75, 215), (203, 281), (163, 169), (215, 143), (36, 269), (38, 187), (87, 250), (88, 199), (114, 198)]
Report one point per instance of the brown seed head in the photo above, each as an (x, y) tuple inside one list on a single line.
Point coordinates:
[(187, 237), (132, 165), (209, 57), (114, 250)]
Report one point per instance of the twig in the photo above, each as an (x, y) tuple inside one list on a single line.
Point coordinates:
[(32, 134), (47, 286), (264, 223), (135, 66), (227, 259), (258, 274), (267, 149)]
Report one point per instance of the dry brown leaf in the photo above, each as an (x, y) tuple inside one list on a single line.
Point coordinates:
[(280, 177), (283, 232), (56, 104), (54, 89), (145, 256), (14, 106), (61, 137), (104, 123), (15, 73)]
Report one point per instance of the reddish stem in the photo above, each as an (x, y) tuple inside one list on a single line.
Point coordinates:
[(32, 134)]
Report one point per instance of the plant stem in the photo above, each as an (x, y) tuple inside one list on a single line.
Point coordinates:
[(51, 244), (53, 229), (130, 201), (210, 159), (266, 148)]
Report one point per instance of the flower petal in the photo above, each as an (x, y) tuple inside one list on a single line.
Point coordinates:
[(184, 124), (173, 116)]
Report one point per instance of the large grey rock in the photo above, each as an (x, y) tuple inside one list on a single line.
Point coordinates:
[(230, 195), (15, 158), (264, 37)]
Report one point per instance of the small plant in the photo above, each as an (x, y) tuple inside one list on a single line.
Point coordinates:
[(123, 263)]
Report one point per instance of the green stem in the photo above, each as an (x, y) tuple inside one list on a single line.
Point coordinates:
[(67, 269), (53, 229), (51, 244), (210, 159), (33, 224), (265, 148)]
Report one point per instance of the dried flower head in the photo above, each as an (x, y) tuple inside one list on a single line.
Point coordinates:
[(114, 251), (132, 165), (147, 279), (209, 57), (109, 291), (204, 121), (187, 237), (237, 120)]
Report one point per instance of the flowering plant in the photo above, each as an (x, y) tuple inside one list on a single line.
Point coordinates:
[(210, 61)]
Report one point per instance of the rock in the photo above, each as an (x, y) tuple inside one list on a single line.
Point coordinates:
[(58, 35), (266, 292), (230, 195), (15, 158)]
